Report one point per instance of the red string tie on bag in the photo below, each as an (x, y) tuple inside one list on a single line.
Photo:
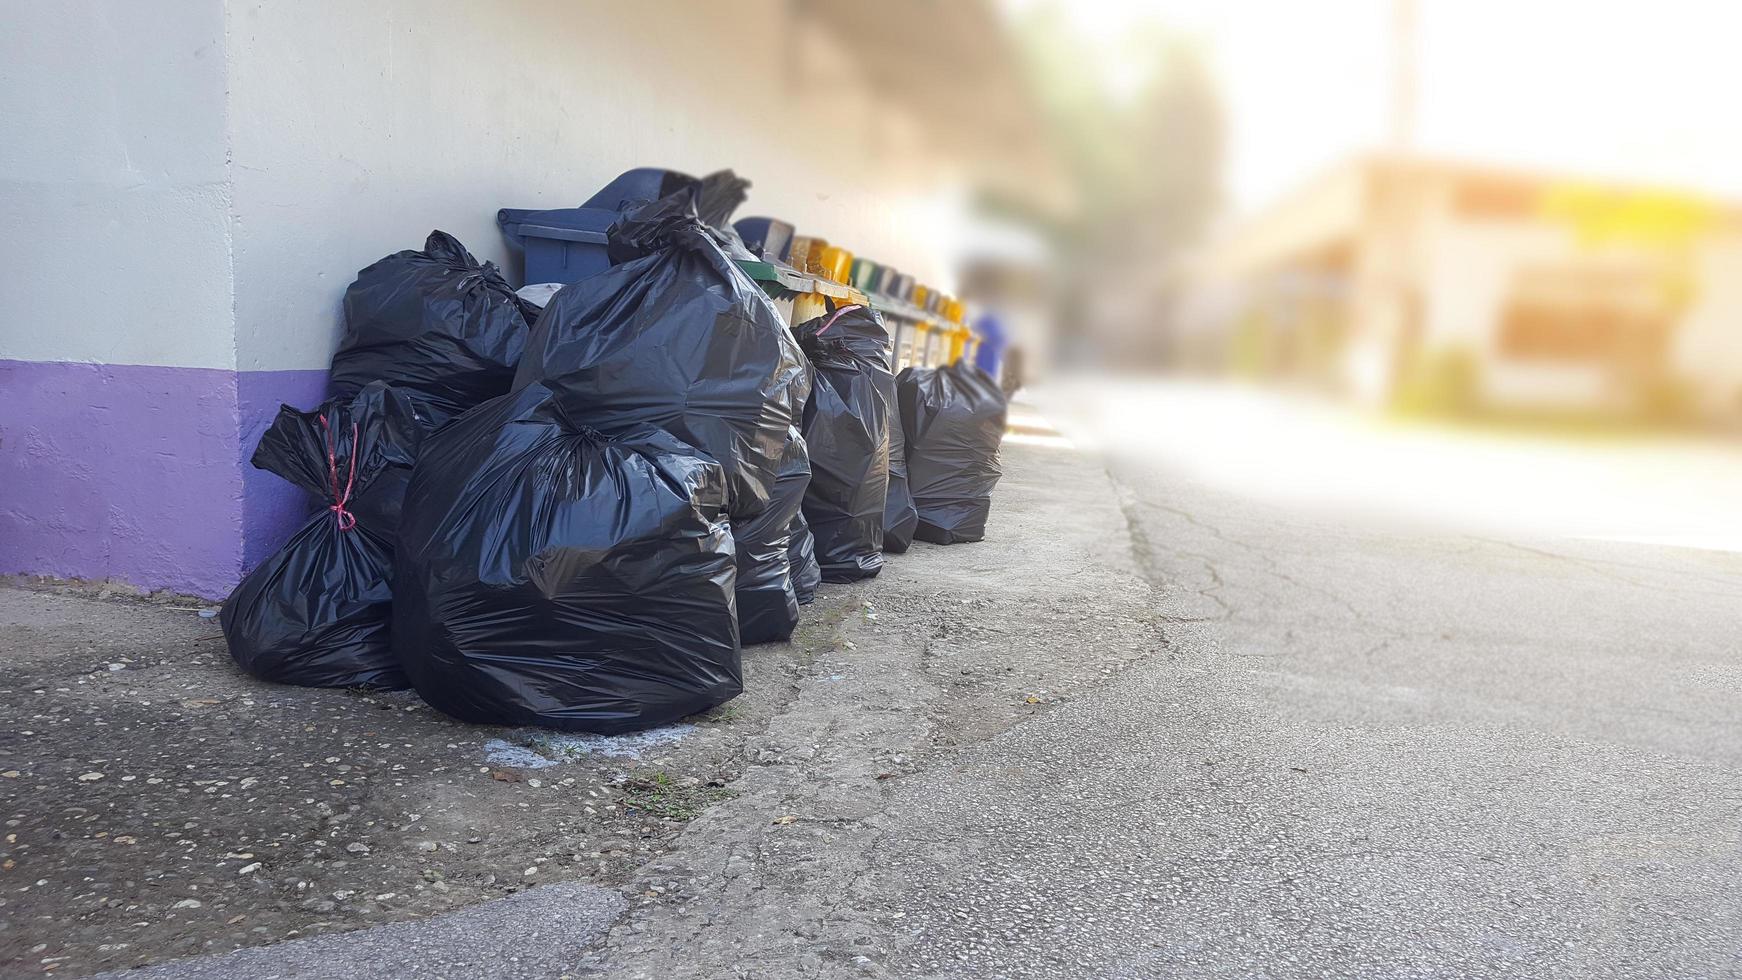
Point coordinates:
[(347, 520)]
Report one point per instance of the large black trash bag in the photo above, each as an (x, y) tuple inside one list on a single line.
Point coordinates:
[(954, 420), (316, 613), (767, 596), (678, 336), (846, 426), (900, 517), (438, 323), (552, 574), (801, 551)]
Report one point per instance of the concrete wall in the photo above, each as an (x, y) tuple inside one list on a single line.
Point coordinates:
[(190, 187), (118, 407), (1709, 344), (1466, 276), (359, 127), (1467, 279), (113, 183)]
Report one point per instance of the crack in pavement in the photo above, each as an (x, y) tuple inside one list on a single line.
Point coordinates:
[(792, 877)]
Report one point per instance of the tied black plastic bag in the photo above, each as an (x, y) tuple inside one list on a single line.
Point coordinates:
[(954, 421), (717, 196), (438, 323), (552, 574), (802, 552), (900, 517), (846, 425), (767, 597), (316, 613), (676, 335)]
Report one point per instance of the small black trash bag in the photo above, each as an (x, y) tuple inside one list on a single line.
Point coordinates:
[(678, 336), (954, 420), (846, 426), (767, 594), (900, 516), (801, 550), (439, 323), (316, 613), (549, 573)]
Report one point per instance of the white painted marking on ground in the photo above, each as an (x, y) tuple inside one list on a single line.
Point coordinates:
[(539, 750)]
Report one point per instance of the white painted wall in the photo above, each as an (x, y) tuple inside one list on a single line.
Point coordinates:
[(113, 185), (195, 183), (1709, 344), (1467, 269), (358, 127)]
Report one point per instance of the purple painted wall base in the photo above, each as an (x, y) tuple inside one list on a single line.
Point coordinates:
[(140, 473), (272, 509)]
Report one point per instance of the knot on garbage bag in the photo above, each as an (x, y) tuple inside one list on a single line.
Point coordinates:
[(341, 497)]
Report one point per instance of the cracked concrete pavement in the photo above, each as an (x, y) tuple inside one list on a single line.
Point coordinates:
[(1369, 754), (947, 648), (830, 866), (1152, 728), (1360, 749)]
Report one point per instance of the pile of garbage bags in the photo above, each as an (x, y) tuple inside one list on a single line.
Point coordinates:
[(575, 512)]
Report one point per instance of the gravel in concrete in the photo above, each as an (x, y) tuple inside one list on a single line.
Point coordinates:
[(535, 933)]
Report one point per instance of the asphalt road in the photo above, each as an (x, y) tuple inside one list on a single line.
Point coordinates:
[(1371, 751), (1344, 744)]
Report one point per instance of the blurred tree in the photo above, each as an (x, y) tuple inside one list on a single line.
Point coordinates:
[(1175, 188), (1143, 151)]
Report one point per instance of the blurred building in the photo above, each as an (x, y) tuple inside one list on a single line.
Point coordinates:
[(1457, 286), (189, 188)]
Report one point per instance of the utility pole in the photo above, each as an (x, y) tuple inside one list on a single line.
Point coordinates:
[(1388, 327), (1403, 76)]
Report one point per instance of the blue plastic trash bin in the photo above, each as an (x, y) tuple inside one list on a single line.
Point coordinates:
[(769, 239), (884, 281), (568, 244), (993, 339)]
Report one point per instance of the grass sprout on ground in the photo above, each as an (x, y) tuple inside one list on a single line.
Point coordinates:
[(662, 796)]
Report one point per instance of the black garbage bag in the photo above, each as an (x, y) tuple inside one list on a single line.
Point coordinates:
[(954, 420), (550, 573), (678, 336), (717, 196), (767, 596), (900, 517), (316, 612), (802, 551), (846, 426), (438, 323)]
